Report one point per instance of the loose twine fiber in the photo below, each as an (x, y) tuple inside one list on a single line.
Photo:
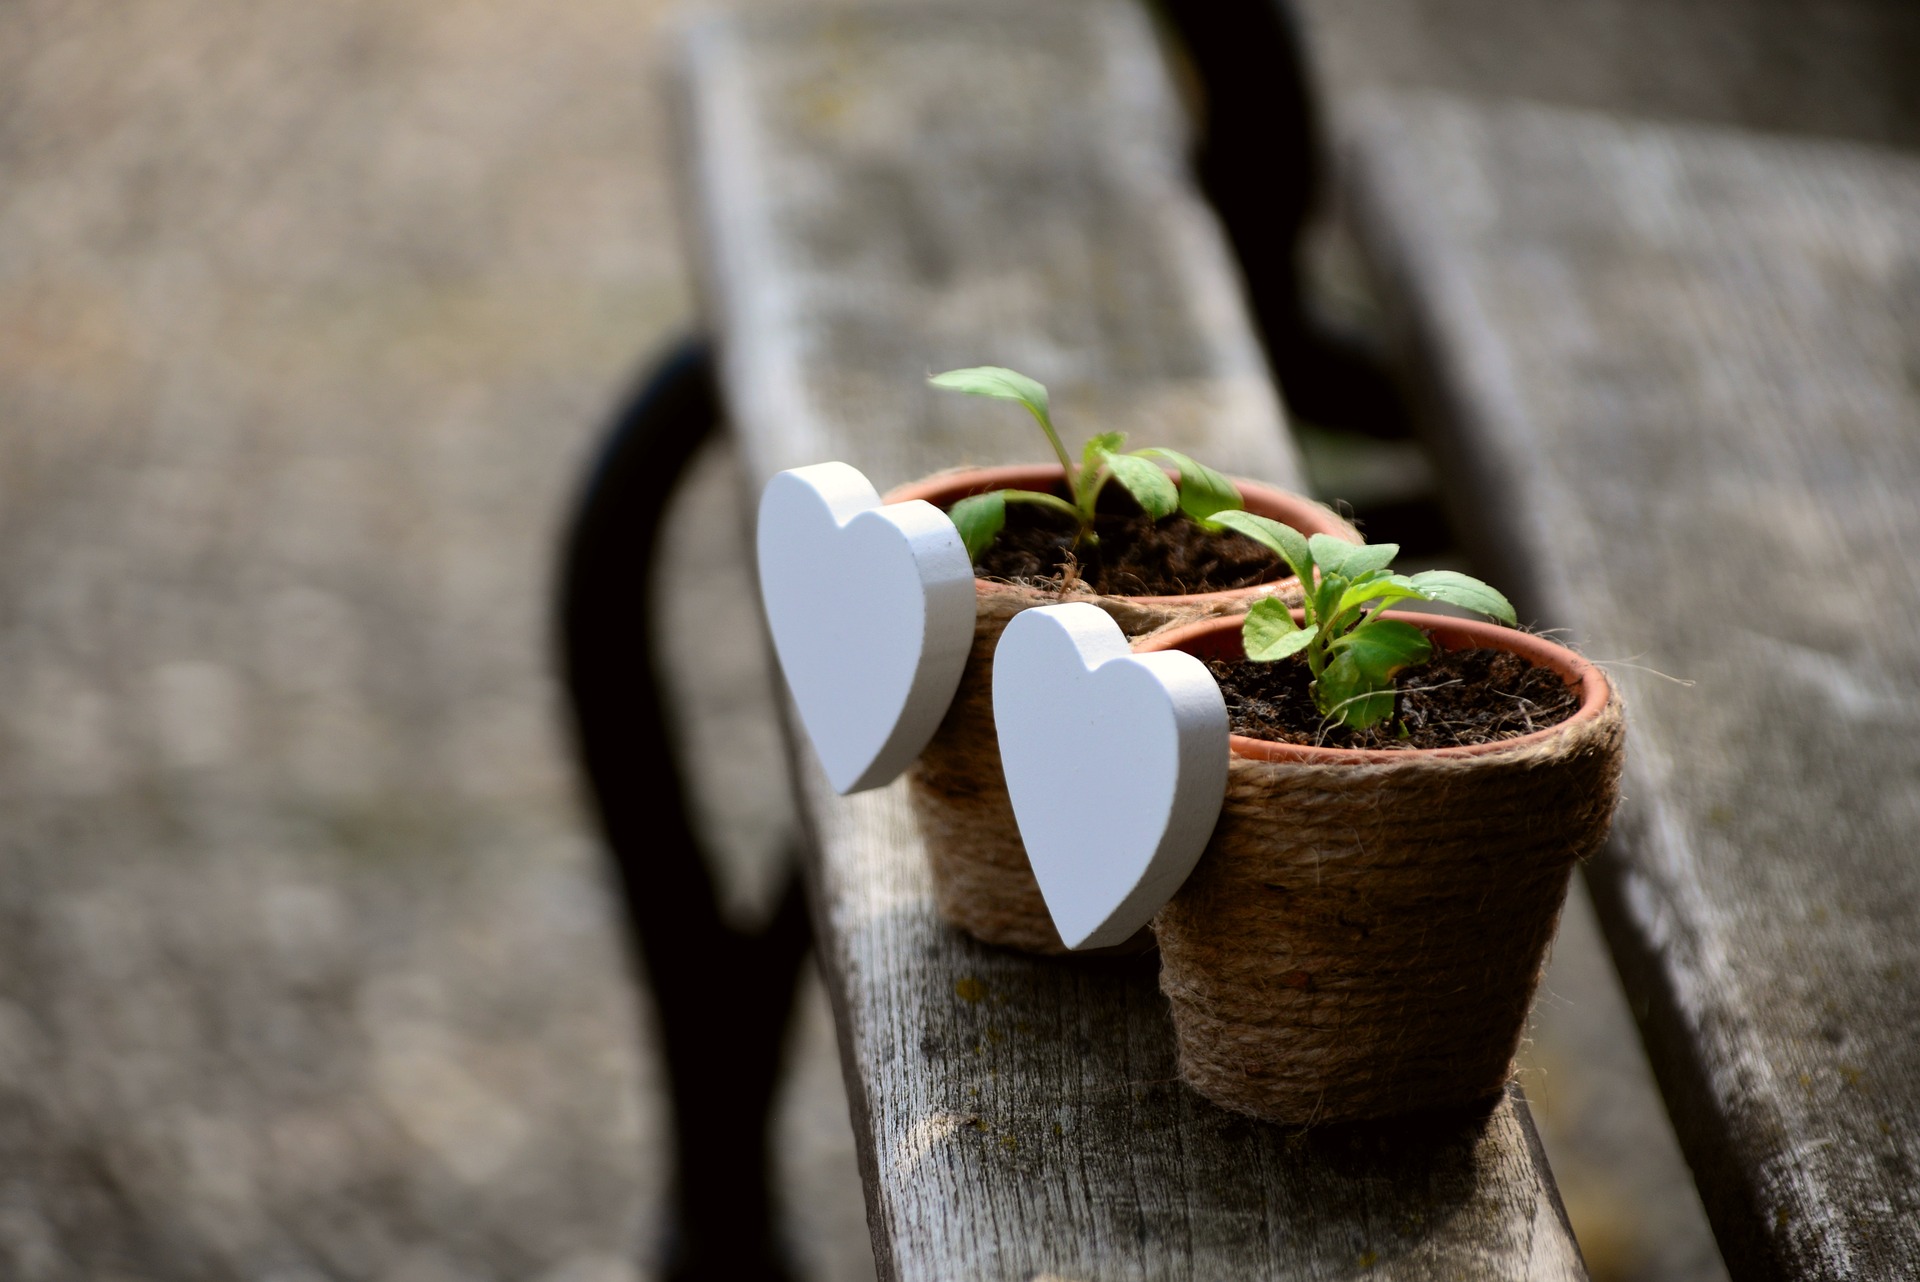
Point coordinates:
[(1360, 941), (982, 881)]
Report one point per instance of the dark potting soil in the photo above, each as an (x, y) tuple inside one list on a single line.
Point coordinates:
[(1135, 555), (1460, 697)]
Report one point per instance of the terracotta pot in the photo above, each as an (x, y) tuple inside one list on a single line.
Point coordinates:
[(981, 877), (1364, 932)]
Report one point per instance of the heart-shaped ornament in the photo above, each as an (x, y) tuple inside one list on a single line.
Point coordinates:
[(1116, 763), (871, 607)]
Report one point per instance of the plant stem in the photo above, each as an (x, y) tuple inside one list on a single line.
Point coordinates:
[(1084, 501), (1059, 450), (1082, 504)]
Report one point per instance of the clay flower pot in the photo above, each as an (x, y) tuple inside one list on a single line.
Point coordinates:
[(981, 877), (1364, 932)]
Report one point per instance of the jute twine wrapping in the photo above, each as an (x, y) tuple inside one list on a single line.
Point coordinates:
[(981, 878), (1364, 940)]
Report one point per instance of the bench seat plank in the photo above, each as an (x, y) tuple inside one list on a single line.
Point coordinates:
[(887, 192), (1674, 375)]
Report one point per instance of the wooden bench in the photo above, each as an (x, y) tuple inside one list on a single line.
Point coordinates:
[(884, 192), (1672, 373)]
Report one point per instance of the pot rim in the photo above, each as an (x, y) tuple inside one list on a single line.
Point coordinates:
[(1451, 634), (1296, 510)]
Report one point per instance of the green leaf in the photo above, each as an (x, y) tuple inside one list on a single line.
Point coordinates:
[(1270, 633), (1203, 491), (1384, 588), (1346, 694), (1350, 560), (1379, 648), (1001, 384), (1285, 541), (1272, 613), (1466, 592), (1291, 644), (1038, 499), (1151, 488), (1329, 553), (1370, 558), (1323, 599), (1094, 458), (1007, 385), (979, 520), (1356, 686), (1095, 452)]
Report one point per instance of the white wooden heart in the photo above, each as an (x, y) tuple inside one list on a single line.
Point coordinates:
[(1116, 763), (871, 607)]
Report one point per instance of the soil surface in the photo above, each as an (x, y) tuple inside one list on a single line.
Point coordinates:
[(1135, 555), (1461, 697)]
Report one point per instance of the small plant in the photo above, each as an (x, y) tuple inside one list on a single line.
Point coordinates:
[(1202, 493), (1353, 653)]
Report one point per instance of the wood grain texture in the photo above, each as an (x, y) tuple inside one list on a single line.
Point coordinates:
[(1674, 370), (1839, 68), (893, 191)]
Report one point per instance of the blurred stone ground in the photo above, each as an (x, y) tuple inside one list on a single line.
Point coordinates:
[(309, 967), (308, 314)]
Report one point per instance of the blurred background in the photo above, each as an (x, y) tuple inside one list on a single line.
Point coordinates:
[(310, 314)]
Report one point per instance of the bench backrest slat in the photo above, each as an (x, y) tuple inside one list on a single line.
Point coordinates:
[(1674, 370)]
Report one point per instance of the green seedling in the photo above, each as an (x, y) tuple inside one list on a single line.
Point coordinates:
[(1202, 493), (1353, 653)]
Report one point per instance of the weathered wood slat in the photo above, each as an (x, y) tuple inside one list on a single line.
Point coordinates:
[(1674, 373), (889, 192), (1841, 68)]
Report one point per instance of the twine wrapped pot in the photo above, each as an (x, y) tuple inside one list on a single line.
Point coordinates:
[(982, 881), (1364, 932)]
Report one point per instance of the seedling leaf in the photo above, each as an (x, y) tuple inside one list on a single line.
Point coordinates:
[(1095, 451), (1038, 499), (1273, 612), (1350, 560), (1290, 644), (1007, 385), (999, 383), (1352, 652), (1203, 491), (1344, 692), (1384, 589), (1151, 488), (1285, 541), (1466, 592), (979, 519), (1323, 599), (1201, 494), (1379, 648), (1270, 632)]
